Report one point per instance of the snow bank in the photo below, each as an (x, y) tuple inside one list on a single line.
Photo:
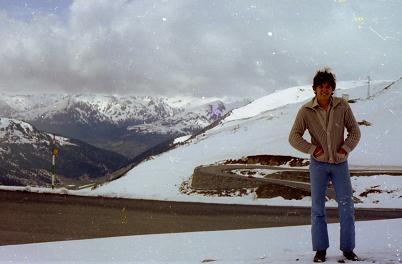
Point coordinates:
[(376, 242)]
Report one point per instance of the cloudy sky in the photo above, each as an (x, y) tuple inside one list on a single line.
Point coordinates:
[(194, 47)]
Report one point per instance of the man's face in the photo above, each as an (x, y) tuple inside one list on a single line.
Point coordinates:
[(323, 91)]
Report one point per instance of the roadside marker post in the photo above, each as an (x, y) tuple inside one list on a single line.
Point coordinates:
[(55, 153)]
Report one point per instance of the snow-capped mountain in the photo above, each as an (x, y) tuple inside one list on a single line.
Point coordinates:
[(114, 109), (26, 157), (128, 125)]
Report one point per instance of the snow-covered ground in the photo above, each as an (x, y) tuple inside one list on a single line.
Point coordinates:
[(376, 242)]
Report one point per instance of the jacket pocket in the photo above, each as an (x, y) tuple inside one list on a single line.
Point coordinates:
[(320, 158)]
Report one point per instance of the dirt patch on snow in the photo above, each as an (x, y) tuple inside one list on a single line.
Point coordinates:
[(271, 160), (275, 190), (374, 189)]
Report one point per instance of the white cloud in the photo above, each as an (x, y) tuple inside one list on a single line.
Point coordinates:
[(205, 48)]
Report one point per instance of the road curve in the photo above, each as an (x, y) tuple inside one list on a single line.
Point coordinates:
[(31, 217), (221, 177)]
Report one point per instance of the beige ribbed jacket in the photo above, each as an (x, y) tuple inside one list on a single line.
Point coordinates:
[(330, 138)]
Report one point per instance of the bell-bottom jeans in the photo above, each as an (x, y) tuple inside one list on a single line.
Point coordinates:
[(320, 174)]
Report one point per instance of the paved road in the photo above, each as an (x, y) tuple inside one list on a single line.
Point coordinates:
[(29, 217)]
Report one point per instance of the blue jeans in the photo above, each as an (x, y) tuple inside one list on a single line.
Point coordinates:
[(320, 174)]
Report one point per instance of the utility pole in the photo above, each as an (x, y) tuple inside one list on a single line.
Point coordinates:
[(55, 152), (368, 86)]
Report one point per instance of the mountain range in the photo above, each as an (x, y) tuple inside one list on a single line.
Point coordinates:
[(128, 125), (96, 134)]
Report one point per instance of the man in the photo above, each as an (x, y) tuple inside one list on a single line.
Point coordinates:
[(326, 117)]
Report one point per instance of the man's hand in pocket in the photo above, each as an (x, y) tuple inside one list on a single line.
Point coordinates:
[(318, 152), (342, 151)]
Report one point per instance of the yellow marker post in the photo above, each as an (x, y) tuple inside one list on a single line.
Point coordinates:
[(55, 153)]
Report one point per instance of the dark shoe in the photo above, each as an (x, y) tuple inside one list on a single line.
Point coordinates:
[(320, 256), (350, 255)]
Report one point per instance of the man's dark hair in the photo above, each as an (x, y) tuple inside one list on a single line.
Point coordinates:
[(323, 76)]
